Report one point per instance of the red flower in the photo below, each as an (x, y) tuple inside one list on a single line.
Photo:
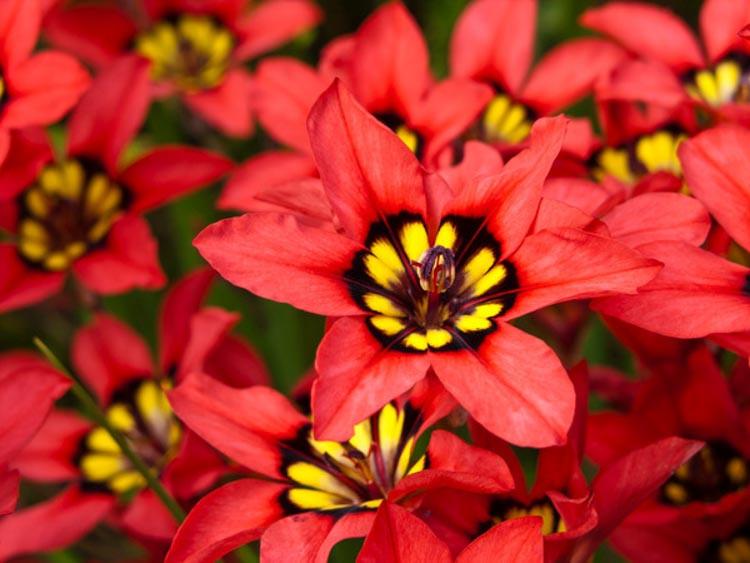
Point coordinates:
[(493, 41), (425, 277), (196, 49), (673, 69), (34, 89), (698, 293), (28, 391), (116, 364), (688, 397), (81, 214), (322, 491)]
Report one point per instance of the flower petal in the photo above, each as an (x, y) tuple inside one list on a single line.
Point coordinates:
[(20, 285), (227, 106), (296, 538), (720, 24), (519, 539)]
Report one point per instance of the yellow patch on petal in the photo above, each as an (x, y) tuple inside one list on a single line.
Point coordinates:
[(616, 163), (414, 240), (389, 326), (100, 467), (477, 266), (438, 337), (383, 305), (446, 236), (472, 323), (102, 441), (416, 341), (494, 276), (308, 499), (315, 477), (127, 482)]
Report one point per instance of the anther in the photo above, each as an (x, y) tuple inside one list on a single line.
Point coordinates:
[(436, 270)]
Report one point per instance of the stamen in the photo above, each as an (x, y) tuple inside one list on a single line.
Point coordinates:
[(436, 270)]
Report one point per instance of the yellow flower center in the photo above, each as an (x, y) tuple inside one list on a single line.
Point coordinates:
[(724, 83), (329, 475), (69, 209), (193, 52), (506, 121), (141, 412), (552, 523)]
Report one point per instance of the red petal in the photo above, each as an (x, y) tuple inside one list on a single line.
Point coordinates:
[(9, 481), (52, 524), (225, 519), (108, 353), (656, 217), (50, 455), (389, 65), (28, 390), (447, 110), (244, 424), (651, 31), (29, 152), (494, 39), (273, 23), (515, 387), (399, 537), (276, 257), (366, 170), (295, 538), (20, 285), (716, 167), (226, 107), (97, 34), (585, 195), (130, 259), (573, 67), (479, 160), (166, 173), (697, 293), (352, 525), (43, 88), (195, 467), (147, 517), (720, 23), (285, 90), (111, 112), (259, 184), (208, 327), (562, 264), (19, 30), (182, 301), (511, 198), (234, 362), (351, 387), (643, 81), (519, 539)]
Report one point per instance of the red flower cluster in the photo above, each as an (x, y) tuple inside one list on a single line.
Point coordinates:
[(465, 402)]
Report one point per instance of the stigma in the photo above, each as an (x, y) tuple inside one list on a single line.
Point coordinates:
[(436, 270)]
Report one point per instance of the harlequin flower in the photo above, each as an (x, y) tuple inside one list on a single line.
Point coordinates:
[(673, 69), (195, 50), (423, 277), (80, 212), (319, 490), (575, 516), (34, 89), (27, 393), (493, 41), (688, 397), (116, 364), (400, 90), (699, 293)]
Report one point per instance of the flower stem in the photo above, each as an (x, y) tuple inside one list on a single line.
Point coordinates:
[(97, 415)]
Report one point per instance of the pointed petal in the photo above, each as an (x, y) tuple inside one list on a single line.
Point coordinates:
[(29, 151), (583, 194), (108, 353), (720, 23), (351, 387), (695, 294), (225, 519), (195, 468), (97, 34), (274, 22), (44, 88), (389, 65), (9, 481), (227, 106), (562, 264), (366, 170), (494, 39), (111, 112), (20, 285), (511, 198), (479, 160), (53, 524), (208, 327), (295, 538), (716, 168), (514, 386), (519, 539), (244, 424), (146, 517), (650, 31), (643, 81), (130, 259), (234, 362), (573, 67), (399, 537), (275, 257), (182, 301), (166, 173), (19, 30)]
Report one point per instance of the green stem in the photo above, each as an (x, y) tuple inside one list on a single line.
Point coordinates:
[(245, 555), (93, 410)]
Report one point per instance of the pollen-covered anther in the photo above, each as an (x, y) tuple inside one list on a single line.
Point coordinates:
[(194, 51), (70, 209), (436, 270)]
